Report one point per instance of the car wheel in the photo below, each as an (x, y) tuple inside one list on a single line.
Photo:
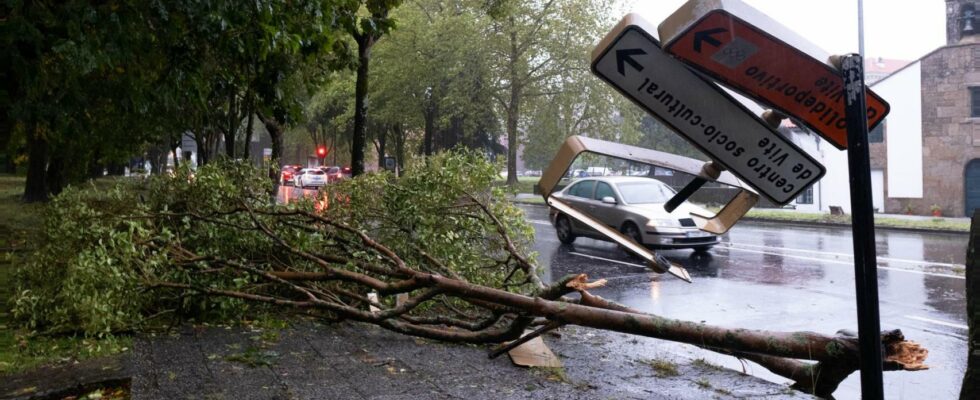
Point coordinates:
[(630, 230), (564, 228)]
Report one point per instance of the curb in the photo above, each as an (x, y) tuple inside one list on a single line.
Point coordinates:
[(815, 223)]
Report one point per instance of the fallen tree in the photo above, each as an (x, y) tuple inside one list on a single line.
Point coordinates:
[(446, 258)]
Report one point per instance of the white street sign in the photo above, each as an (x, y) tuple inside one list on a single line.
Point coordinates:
[(631, 60)]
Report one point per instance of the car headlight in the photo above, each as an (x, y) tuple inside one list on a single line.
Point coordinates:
[(664, 223)]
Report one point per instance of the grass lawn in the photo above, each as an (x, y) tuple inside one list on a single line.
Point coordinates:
[(525, 184), (19, 348), (880, 221)]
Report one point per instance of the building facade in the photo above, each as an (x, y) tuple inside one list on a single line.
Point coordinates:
[(929, 148)]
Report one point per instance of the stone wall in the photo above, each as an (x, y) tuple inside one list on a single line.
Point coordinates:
[(951, 138)]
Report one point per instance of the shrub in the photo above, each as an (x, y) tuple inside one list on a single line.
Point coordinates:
[(104, 253)]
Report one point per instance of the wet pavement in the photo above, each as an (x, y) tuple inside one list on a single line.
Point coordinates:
[(794, 278), (357, 361)]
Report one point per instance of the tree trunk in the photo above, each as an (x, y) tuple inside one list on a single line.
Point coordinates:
[(971, 379), (364, 44), (381, 146), (399, 146), (36, 185), (246, 152), (56, 174), (232, 130), (431, 111), (275, 133), (513, 113)]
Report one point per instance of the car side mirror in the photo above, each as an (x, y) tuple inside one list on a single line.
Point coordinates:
[(609, 200)]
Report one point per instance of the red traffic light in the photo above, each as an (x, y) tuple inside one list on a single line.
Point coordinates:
[(321, 151)]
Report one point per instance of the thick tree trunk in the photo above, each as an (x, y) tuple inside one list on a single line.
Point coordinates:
[(36, 186), (275, 133), (431, 111), (232, 131), (95, 166), (971, 380), (513, 112), (203, 147), (56, 173), (364, 44), (382, 146), (246, 152), (399, 146)]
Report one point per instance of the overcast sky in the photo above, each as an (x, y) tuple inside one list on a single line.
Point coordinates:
[(899, 29)]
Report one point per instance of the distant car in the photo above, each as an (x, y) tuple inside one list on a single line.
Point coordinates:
[(288, 174), (635, 207), (311, 177), (334, 174), (346, 172)]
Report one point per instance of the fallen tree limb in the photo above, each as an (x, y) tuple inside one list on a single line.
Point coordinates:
[(439, 257)]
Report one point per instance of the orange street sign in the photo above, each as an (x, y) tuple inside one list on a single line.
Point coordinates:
[(748, 51)]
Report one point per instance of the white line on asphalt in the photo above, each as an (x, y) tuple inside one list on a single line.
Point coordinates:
[(916, 262), (574, 253), (823, 260), (539, 222), (937, 322)]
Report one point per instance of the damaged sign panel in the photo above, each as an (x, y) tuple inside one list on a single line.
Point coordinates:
[(745, 49), (631, 60)]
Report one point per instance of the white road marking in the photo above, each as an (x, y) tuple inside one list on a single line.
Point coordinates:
[(900, 260), (823, 260), (539, 222), (937, 322)]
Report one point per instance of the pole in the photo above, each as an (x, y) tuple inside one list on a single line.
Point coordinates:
[(862, 221), (861, 27)]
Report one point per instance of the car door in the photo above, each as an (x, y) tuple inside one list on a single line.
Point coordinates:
[(579, 196), (606, 213)]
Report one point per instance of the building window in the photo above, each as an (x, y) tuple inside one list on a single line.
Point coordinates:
[(975, 102), (805, 197), (877, 135)]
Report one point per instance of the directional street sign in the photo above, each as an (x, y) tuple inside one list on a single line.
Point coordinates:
[(631, 60), (745, 49)]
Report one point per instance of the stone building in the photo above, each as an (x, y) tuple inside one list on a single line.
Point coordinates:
[(930, 152)]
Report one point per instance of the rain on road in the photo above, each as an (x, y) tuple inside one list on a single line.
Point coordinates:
[(790, 278)]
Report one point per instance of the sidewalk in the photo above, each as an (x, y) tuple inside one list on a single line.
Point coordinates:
[(358, 361)]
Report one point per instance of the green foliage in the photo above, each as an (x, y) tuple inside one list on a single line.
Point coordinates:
[(99, 249), (431, 208), (104, 252)]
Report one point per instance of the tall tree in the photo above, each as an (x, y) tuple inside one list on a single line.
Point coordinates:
[(536, 42), (366, 30)]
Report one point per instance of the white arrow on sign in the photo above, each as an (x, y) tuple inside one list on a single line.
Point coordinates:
[(631, 60)]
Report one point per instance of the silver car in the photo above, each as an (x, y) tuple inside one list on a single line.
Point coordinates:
[(635, 207)]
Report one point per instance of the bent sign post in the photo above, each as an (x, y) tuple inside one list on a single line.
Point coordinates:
[(863, 225), (631, 60), (745, 49)]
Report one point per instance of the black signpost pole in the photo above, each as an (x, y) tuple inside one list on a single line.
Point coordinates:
[(862, 220)]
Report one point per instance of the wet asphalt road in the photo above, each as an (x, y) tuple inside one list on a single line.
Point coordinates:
[(789, 278)]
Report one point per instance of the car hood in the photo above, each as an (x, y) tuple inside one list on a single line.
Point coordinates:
[(656, 210)]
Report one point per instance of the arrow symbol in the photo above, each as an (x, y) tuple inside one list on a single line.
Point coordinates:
[(705, 36), (626, 56)]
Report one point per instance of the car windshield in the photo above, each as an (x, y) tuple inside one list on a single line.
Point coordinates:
[(314, 172), (645, 192)]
